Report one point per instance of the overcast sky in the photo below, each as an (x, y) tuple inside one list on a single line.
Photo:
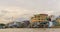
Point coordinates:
[(25, 8)]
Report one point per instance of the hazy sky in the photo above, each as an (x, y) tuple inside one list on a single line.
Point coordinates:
[(25, 8)]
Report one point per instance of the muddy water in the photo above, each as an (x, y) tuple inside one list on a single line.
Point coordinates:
[(30, 30)]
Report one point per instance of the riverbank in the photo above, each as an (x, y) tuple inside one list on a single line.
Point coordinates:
[(30, 30)]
